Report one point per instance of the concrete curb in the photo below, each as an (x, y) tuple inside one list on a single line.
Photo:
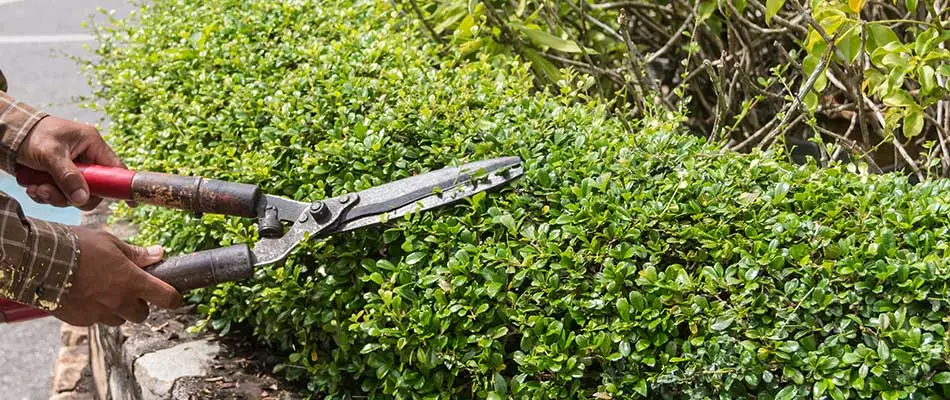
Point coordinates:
[(158, 359)]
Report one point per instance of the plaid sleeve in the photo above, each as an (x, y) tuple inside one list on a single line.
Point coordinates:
[(37, 258), (16, 120)]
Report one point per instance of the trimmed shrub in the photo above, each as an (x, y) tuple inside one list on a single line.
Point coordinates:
[(619, 266)]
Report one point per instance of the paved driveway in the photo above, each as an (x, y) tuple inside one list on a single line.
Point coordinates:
[(35, 36)]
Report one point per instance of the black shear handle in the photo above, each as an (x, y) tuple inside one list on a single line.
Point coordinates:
[(205, 268)]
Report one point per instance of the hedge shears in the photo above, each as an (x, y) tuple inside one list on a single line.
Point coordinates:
[(282, 223)]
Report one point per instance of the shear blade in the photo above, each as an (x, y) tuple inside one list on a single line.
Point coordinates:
[(389, 201), (427, 191)]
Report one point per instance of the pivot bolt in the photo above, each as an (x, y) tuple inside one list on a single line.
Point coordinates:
[(318, 209), (317, 206), (345, 199)]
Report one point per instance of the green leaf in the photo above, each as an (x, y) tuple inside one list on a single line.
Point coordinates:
[(625, 348), (789, 346), (450, 20), (925, 41), (641, 387), (913, 123), (899, 98), (880, 35), (851, 358), (944, 70), (414, 257), (501, 385), (723, 322), (787, 393), (809, 343), (508, 221), (928, 80), (857, 383), (942, 378), (911, 5), (544, 39), (623, 308), (499, 332), (850, 45), (740, 5), (819, 388), (883, 351), (811, 101), (541, 65), (369, 348), (385, 265), (772, 8), (793, 374), (706, 8)]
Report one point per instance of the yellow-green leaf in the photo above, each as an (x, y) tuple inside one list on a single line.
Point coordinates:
[(542, 38), (880, 35), (899, 98), (706, 9), (541, 65), (741, 5), (913, 123), (771, 9), (450, 20), (811, 101), (927, 80), (856, 5), (850, 45), (911, 5), (925, 41)]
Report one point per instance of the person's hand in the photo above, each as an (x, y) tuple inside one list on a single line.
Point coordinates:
[(52, 146), (110, 286)]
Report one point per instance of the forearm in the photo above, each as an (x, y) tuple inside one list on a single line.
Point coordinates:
[(37, 258)]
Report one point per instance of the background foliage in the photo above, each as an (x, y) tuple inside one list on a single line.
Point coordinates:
[(842, 80), (619, 266)]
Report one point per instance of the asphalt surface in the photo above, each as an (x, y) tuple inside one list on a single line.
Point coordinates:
[(36, 36)]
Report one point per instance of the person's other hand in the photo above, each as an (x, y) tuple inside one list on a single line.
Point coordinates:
[(110, 286), (52, 146)]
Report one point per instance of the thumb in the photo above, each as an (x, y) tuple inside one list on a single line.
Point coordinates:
[(142, 256), (70, 180)]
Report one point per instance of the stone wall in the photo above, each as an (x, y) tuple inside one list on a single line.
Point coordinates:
[(159, 359)]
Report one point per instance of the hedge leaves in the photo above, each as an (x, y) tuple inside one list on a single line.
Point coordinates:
[(620, 266)]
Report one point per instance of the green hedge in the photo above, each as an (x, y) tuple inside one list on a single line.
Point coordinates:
[(620, 265)]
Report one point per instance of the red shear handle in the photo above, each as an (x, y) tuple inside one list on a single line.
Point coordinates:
[(109, 182), (11, 311), (195, 194)]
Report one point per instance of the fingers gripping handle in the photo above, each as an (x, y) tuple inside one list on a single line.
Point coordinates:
[(167, 190), (205, 268), (113, 183), (185, 272)]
